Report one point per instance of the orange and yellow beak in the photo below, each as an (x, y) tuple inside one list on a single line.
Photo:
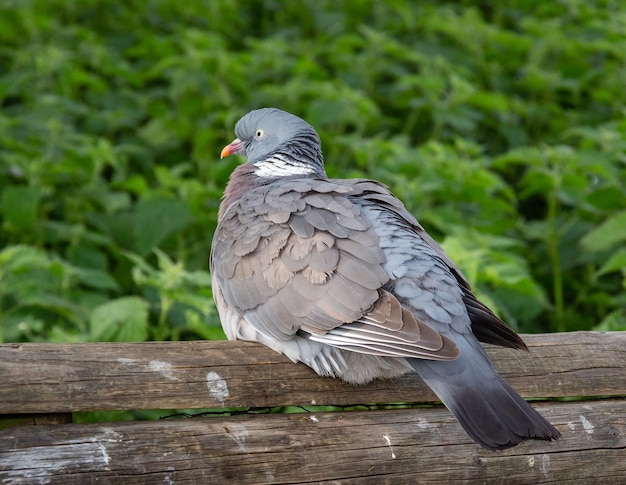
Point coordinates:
[(235, 147)]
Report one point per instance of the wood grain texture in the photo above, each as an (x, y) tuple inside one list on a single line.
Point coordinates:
[(48, 378), (394, 446), (378, 447)]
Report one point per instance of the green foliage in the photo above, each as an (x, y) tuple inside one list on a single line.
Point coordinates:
[(123, 320), (500, 126)]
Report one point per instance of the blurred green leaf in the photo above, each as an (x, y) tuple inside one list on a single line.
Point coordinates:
[(155, 219), (607, 234), (147, 225), (16, 259), (607, 198), (120, 320), (613, 322), (95, 278), (19, 206), (616, 262)]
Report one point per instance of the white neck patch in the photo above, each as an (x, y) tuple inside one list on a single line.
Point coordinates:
[(276, 166)]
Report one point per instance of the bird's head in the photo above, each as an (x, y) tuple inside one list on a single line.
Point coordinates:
[(277, 143)]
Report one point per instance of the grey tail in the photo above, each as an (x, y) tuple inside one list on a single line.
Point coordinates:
[(492, 413)]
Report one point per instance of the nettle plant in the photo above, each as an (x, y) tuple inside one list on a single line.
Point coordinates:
[(502, 129)]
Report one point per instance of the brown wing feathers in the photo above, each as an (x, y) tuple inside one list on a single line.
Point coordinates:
[(389, 329), (304, 260)]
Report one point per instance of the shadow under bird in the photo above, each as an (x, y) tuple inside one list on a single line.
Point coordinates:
[(337, 274)]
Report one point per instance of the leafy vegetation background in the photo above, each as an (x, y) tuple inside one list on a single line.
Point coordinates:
[(500, 125)]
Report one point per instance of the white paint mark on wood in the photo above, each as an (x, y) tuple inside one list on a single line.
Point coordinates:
[(103, 451), (314, 419), (218, 389), (423, 423), (238, 433), (46, 463), (589, 428), (531, 461), (387, 439), (164, 368), (313, 403), (545, 465), (167, 478), (269, 472)]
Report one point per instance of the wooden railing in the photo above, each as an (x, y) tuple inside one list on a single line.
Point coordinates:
[(41, 385)]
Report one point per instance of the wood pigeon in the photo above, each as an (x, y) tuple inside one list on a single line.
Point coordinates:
[(337, 274)]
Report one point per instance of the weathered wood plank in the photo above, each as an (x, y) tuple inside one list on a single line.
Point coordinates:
[(392, 446), (44, 378)]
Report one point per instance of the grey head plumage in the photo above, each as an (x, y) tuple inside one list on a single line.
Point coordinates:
[(278, 144)]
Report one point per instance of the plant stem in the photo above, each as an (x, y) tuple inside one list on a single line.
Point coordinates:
[(161, 331), (555, 262)]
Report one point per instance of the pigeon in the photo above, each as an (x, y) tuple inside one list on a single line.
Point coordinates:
[(339, 275)]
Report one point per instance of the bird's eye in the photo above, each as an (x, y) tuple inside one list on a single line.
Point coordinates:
[(259, 133)]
